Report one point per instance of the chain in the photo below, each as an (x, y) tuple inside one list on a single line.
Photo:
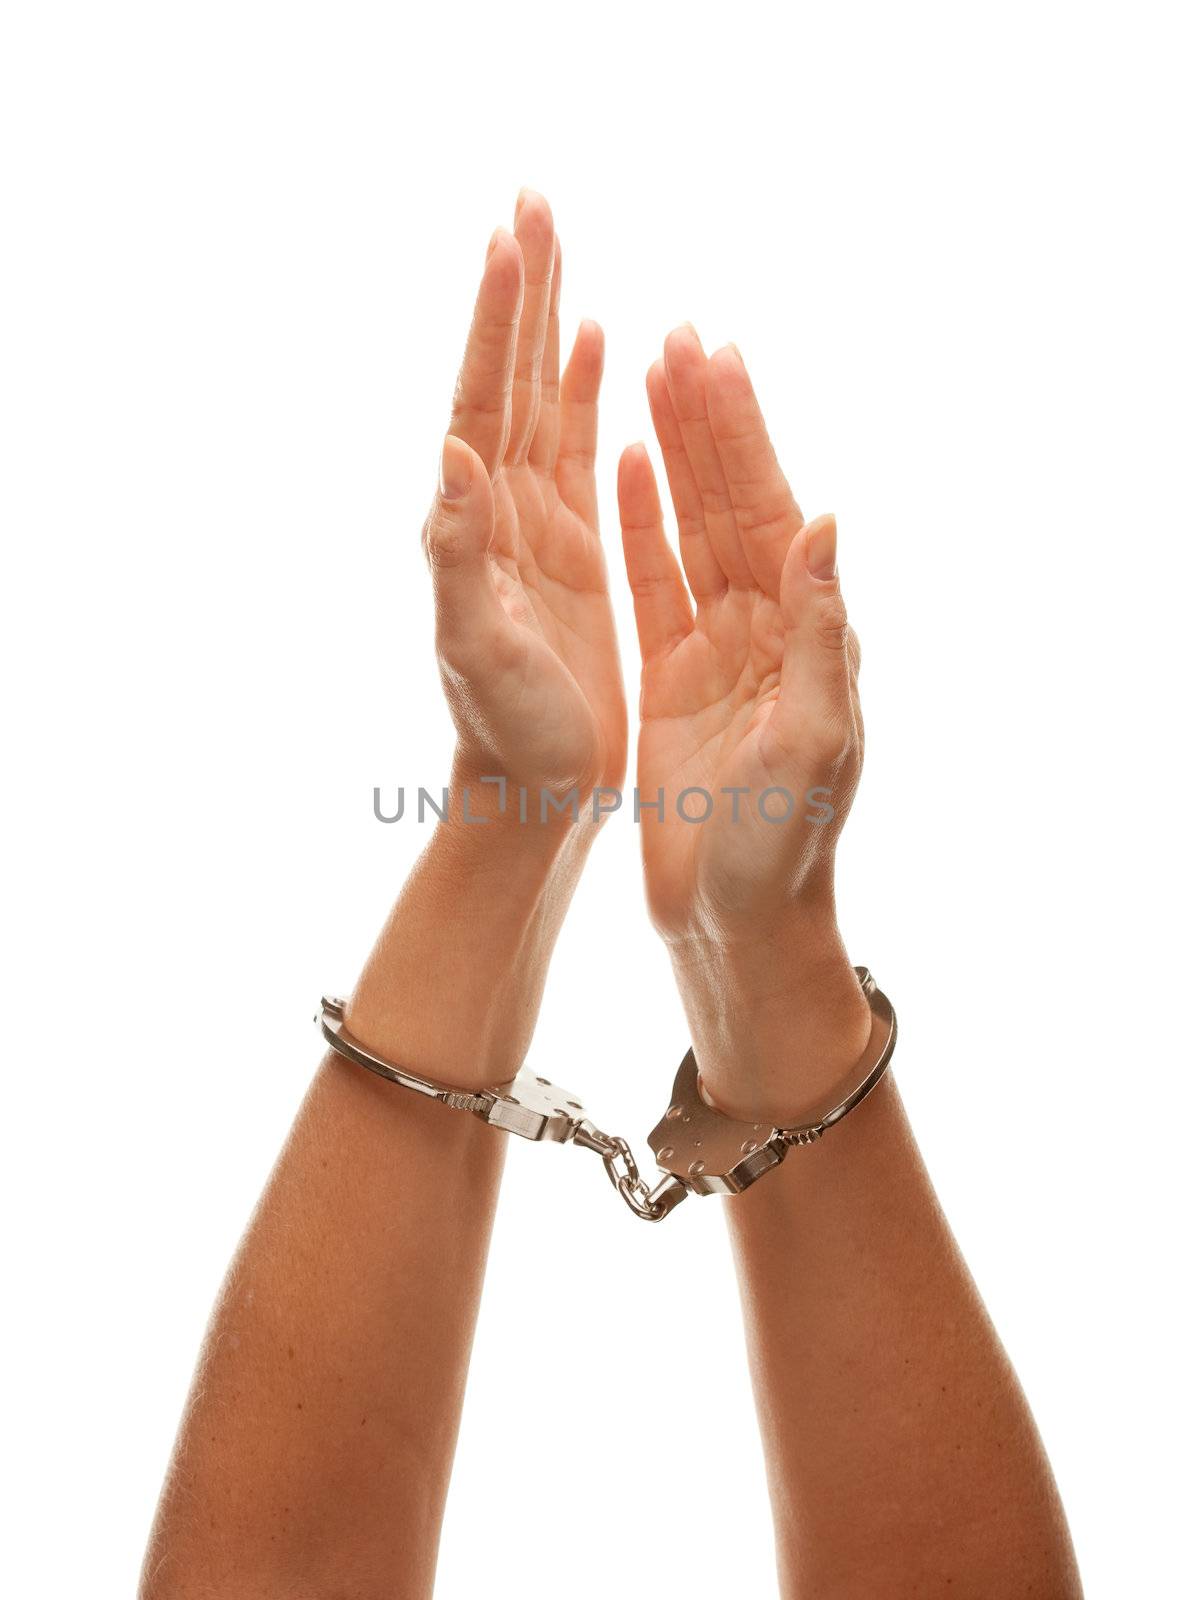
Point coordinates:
[(651, 1205), (724, 1156)]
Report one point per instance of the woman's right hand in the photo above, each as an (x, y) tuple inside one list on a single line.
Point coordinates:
[(525, 635)]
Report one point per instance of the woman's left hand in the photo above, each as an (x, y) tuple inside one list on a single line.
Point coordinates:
[(750, 714)]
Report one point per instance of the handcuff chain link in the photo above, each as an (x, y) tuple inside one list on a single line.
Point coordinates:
[(698, 1150), (620, 1165)]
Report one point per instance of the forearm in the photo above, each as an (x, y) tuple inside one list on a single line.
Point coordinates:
[(316, 1449), (453, 985), (901, 1453)]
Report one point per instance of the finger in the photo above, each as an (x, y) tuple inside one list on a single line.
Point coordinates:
[(764, 509), (686, 372), (703, 570), (483, 395), (543, 448), (579, 411), (534, 228), (660, 601), (813, 716), (457, 535)]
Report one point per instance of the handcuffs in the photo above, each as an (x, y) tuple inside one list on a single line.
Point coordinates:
[(698, 1150)]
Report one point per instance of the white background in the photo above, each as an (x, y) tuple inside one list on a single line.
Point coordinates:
[(956, 245)]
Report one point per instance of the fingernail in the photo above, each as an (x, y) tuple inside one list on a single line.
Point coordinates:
[(492, 243), (454, 479), (821, 549)]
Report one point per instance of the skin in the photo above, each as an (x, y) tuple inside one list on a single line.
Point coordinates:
[(901, 1454), (315, 1450), (755, 688)]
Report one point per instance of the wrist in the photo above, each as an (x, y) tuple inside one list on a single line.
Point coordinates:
[(454, 983), (777, 1015), (514, 816)]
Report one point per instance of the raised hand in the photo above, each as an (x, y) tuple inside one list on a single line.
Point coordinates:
[(751, 699), (525, 631), (755, 692)]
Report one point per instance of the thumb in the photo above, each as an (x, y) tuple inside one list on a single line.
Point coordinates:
[(814, 703), (457, 535)]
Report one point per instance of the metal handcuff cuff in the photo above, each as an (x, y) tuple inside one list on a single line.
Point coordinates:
[(698, 1149)]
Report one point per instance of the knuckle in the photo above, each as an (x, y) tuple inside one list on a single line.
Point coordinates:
[(482, 390), (716, 502), (766, 522), (646, 585), (833, 628), (443, 541), (854, 648), (577, 456), (774, 513)]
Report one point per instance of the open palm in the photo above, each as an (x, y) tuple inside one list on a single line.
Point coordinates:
[(750, 700), (524, 620)]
